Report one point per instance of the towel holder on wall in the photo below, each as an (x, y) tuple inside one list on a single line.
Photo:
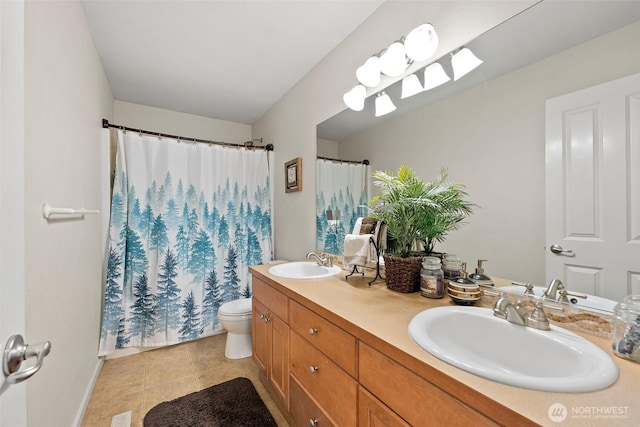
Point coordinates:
[(48, 210)]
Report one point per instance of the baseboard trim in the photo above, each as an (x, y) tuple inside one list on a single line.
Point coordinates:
[(87, 394)]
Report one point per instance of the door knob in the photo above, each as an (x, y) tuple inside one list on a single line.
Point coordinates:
[(557, 249), (16, 352)]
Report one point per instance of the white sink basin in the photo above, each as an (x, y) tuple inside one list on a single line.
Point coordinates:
[(303, 270), (474, 340), (591, 302)]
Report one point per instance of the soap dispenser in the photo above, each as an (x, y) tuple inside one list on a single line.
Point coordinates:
[(479, 277), (464, 278)]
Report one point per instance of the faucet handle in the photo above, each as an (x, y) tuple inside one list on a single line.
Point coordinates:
[(565, 292), (538, 318), (528, 287)]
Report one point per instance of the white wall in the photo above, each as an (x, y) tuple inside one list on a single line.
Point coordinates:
[(291, 123), (491, 138), (181, 124), (327, 148), (66, 97)]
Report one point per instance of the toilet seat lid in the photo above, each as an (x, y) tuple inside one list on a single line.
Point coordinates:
[(237, 307)]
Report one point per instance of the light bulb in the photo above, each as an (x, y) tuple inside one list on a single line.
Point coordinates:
[(434, 76), (369, 73), (421, 43), (354, 99), (393, 61), (463, 62), (410, 86), (384, 105)]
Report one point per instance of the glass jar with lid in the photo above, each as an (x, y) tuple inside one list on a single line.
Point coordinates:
[(431, 278), (625, 336), (451, 266)]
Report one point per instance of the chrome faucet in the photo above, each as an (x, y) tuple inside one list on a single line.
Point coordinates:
[(552, 290), (504, 309), (558, 292), (322, 261)]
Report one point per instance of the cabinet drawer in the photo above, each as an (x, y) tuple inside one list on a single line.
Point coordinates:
[(339, 345), (304, 411), (275, 300), (410, 396), (333, 389)]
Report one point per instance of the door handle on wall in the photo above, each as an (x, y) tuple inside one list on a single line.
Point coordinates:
[(16, 352)]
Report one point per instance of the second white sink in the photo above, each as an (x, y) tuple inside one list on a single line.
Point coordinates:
[(303, 270), (474, 340)]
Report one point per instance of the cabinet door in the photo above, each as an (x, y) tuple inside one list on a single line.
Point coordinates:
[(278, 371), (304, 411), (260, 335), (373, 413)]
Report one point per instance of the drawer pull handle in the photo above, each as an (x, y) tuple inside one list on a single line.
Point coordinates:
[(313, 422), (313, 369), (313, 331), (265, 318)]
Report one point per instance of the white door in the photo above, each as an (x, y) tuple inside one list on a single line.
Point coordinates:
[(13, 406), (593, 189)]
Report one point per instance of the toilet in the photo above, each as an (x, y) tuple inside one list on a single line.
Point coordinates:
[(235, 317)]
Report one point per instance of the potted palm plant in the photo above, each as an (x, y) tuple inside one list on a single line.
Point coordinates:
[(415, 212)]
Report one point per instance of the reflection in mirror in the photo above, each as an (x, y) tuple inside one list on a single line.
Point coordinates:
[(488, 130), (341, 197)]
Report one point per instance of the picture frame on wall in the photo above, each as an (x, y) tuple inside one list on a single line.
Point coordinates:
[(293, 175)]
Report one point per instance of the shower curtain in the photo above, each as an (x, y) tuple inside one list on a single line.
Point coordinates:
[(340, 187), (186, 222)]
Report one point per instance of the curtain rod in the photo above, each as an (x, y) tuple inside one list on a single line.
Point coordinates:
[(364, 162), (247, 144)]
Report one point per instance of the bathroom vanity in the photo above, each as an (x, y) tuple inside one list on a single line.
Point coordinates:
[(337, 352)]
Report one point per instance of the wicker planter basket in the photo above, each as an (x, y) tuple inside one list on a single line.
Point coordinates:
[(402, 274)]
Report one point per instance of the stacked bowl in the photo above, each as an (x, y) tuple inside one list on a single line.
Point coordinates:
[(463, 293)]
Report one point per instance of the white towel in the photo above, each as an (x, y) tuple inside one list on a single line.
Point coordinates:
[(357, 250), (357, 226)]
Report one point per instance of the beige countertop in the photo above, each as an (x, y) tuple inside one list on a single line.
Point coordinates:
[(380, 317)]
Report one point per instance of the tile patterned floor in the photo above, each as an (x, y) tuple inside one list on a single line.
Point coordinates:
[(139, 382)]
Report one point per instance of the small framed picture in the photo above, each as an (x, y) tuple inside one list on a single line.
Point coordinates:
[(293, 175)]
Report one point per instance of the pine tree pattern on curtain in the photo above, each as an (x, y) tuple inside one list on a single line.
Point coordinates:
[(339, 186), (186, 222)]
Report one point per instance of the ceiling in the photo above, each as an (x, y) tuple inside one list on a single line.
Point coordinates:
[(544, 29), (229, 60)]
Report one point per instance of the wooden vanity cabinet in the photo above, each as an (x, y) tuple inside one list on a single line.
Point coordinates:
[(270, 343), (323, 371)]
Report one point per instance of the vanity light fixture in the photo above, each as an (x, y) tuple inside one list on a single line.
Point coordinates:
[(410, 86), (464, 61), (354, 99), (419, 45), (434, 76), (384, 104)]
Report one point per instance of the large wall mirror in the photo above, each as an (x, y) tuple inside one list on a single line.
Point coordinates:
[(488, 129)]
